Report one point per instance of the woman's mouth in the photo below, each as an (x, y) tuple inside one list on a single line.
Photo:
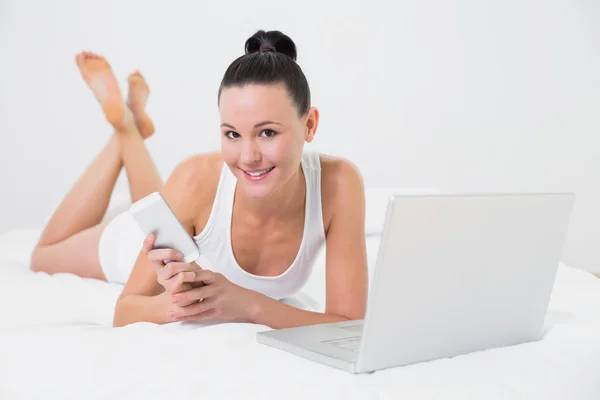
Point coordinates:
[(257, 175)]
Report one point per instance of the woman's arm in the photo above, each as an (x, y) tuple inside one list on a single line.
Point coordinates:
[(137, 308), (346, 262), (277, 315), (143, 298)]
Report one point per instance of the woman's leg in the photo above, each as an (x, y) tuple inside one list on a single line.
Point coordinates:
[(141, 172), (69, 243), (86, 202)]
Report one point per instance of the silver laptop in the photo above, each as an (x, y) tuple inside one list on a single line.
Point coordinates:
[(455, 274)]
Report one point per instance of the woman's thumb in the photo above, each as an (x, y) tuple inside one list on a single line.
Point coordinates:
[(149, 243)]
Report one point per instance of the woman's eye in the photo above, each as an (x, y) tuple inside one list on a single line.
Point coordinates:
[(232, 135), (268, 133)]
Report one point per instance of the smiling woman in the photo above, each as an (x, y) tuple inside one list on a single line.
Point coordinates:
[(275, 144), (260, 210)]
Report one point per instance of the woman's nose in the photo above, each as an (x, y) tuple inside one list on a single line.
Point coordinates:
[(250, 153)]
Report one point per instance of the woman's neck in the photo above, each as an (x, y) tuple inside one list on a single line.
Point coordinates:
[(285, 201)]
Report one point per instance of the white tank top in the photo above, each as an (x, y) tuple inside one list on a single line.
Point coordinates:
[(215, 239)]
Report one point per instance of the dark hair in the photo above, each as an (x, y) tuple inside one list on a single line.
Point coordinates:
[(270, 57)]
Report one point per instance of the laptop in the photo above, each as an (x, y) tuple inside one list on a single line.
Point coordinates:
[(455, 274)]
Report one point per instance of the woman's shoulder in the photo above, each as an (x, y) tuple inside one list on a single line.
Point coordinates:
[(341, 183), (197, 171), (338, 172), (193, 183)]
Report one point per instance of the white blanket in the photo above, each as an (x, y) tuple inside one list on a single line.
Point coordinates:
[(56, 341)]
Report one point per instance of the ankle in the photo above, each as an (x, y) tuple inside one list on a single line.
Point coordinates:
[(125, 125)]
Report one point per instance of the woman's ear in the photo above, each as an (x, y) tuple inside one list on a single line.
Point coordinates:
[(312, 121)]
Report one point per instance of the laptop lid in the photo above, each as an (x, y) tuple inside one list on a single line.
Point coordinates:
[(462, 273)]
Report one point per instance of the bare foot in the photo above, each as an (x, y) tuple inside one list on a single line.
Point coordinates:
[(98, 75), (136, 101)]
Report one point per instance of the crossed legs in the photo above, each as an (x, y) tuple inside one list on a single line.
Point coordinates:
[(69, 242)]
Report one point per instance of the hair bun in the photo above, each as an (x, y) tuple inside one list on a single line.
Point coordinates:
[(271, 41)]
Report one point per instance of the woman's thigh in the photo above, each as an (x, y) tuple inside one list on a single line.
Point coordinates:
[(77, 254)]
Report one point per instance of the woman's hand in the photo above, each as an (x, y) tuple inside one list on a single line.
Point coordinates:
[(173, 275), (217, 299)]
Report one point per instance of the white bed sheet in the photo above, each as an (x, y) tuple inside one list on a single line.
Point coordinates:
[(56, 341)]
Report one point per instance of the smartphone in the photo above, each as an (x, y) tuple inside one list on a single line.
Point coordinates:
[(153, 215)]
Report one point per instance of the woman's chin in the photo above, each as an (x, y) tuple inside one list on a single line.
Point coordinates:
[(256, 188)]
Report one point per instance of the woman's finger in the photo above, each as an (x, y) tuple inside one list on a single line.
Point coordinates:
[(194, 309), (194, 295), (173, 268), (164, 254), (205, 276), (148, 243), (174, 285), (210, 313), (147, 252)]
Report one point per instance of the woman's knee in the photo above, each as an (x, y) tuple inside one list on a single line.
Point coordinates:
[(76, 255)]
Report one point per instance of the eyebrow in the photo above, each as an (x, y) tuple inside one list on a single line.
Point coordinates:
[(256, 126)]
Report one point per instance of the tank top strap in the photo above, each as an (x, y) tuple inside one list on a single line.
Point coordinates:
[(222, 203), (311, 163)]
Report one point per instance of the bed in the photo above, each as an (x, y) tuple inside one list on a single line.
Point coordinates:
[(57, 341)]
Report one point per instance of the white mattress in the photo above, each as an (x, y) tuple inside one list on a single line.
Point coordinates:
[(56, 341)]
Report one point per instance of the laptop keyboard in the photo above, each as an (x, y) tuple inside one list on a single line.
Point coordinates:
[(353, 328), (350, 343)]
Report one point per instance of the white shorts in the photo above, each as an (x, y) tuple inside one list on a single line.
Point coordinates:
[(119, 247)]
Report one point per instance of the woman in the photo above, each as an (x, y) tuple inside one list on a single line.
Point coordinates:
[(260, 210)]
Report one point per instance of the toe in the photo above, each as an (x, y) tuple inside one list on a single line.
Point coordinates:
[(95, 56)]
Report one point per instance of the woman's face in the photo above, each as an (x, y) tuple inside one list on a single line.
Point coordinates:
[(262, 136)]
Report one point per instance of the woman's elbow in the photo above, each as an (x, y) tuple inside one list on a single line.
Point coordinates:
[(119, 319), (138, 308)]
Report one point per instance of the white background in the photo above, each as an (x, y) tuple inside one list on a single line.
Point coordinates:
[(454, 95)]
